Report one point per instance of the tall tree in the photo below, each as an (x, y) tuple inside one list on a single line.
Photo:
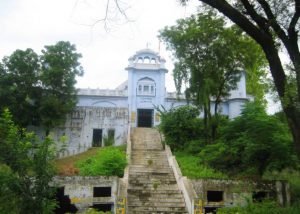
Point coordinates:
[(40, 90), (272, 24), (25, 170), (60, 66), (210, 57)]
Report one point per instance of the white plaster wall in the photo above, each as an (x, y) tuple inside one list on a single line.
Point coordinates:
[(235, 107), (240, 92)]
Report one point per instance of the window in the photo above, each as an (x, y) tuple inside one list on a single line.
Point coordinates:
[(146, 87), (101, 191), (214, 196)]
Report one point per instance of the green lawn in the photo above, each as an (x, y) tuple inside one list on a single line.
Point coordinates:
[(190, 166)]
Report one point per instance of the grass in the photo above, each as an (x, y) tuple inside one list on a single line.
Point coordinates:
[(190, 167), (109, 161), (66, 166)]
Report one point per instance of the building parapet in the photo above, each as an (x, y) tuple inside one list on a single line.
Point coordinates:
[(101, 92)]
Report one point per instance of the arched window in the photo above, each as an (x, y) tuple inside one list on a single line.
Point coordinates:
[(146, 87), (140, 60), (153, 61), (147, 60)]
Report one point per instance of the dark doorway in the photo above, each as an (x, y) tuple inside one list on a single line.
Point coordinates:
[(145, 117), (97, 138), (63, 202)]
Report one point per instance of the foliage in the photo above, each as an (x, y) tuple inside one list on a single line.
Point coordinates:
[(293, 179), (210, 58), (180, 125), (252, 143), (65, 166), (40, 89), (192, 168), (274, 25), (25, 170), (93, 211), (265, 207), (110, 161)]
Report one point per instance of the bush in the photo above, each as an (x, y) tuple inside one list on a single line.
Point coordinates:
[(190, 166), (252, 144), (110, 161), (265, 207), (180, 125)]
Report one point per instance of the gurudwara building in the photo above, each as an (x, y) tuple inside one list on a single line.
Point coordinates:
[(103, 114)]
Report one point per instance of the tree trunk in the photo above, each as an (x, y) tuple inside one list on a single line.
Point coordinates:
[(265, 39)]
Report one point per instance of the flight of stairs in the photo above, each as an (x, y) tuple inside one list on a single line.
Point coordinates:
[(152, 186)]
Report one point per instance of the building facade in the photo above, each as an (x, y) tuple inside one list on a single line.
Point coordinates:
[(103, 116)]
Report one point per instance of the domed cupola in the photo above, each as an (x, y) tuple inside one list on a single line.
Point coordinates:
[(146, 59)]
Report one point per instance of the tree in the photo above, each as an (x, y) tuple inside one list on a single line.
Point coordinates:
[(60, 66), (272, 24), (252, 144), (180, 126), (210, 58), (25, 170), (40, 90)]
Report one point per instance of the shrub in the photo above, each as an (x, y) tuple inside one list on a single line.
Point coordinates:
[(110, 161), (265, 207), (252, 144), (191, 167), (180, 125)]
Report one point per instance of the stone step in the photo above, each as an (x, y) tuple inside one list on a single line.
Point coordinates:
[(152, 187), (147, 182), (156, 210), (155, 193)]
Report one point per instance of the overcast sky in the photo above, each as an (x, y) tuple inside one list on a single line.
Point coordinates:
[(105, 49)]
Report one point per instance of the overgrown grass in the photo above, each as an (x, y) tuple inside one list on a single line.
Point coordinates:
[(109, 161), (66, 167), (190, 166), (265, 207)]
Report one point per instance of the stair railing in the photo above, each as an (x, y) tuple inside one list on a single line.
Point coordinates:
[(184, 184)]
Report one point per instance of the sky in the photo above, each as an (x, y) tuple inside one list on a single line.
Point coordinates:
[(105, 46)]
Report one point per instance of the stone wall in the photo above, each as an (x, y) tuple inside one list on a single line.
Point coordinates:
[(76, 135), (80, 190), (213, 193)]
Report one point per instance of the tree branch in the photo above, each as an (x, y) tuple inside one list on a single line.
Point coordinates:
[(259, 20), (272, 21), (238, 18)]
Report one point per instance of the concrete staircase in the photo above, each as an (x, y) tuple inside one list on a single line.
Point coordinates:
[(152, 187)]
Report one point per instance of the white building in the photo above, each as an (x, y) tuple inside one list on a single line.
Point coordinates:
[(102, 114)]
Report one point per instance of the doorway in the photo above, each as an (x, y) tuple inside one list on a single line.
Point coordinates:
[(145, 117), (97, 138)]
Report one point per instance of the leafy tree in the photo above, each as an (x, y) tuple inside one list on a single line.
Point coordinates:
[(210, 58), (60, 66), (251, 144), (25, 169), (273, 24), (180, 126), (40, 90)]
